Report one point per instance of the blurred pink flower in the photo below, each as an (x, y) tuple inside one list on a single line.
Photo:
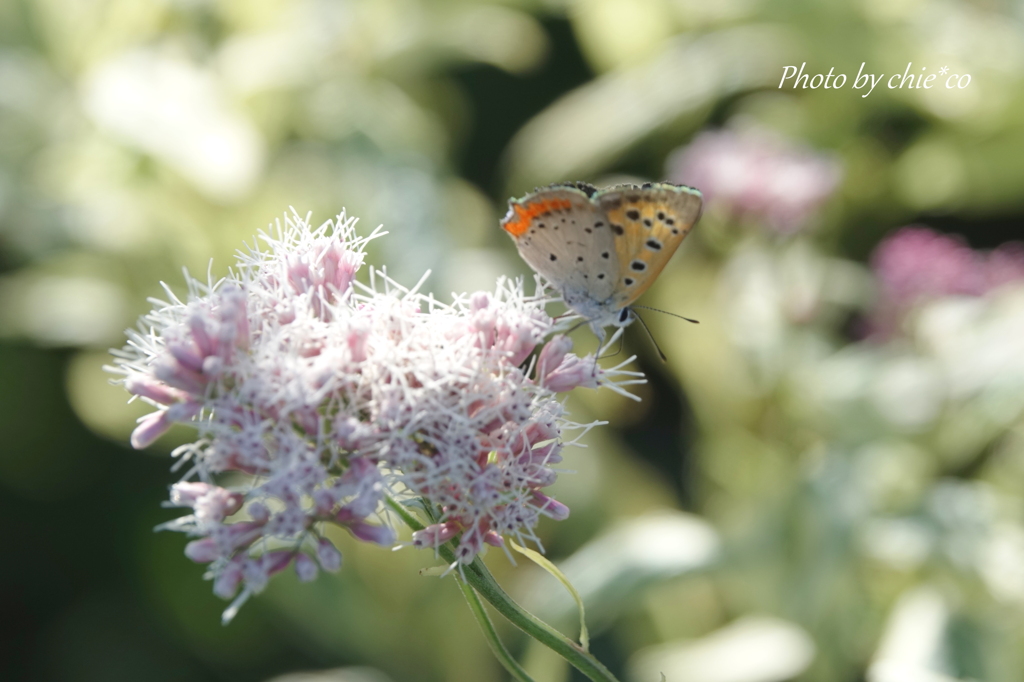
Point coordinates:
[(917, 264), (756, 174), (332, 395)]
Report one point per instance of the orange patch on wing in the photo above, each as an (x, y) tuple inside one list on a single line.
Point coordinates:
[(518, 225)]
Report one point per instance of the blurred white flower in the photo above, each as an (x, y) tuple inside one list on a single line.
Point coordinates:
[(59, 310), (913, 646), (177, 112), (1001, 562), (611, 571), (979, 343), (752, 649), (904, 544)]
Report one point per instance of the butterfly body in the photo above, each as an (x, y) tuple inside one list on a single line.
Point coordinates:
[(602, 248)]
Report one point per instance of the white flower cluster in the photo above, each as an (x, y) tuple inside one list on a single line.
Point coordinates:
[(329, 394)]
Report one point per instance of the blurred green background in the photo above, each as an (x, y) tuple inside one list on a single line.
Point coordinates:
[(824, 482)]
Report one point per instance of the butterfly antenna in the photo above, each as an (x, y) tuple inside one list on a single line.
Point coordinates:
[(651, 336), (658, 310)]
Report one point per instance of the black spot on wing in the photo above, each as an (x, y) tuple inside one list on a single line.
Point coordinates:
[(653, 244), (628, 281), (618, 229), (584, 187), (633, 214), (553, 257), (638, 265)]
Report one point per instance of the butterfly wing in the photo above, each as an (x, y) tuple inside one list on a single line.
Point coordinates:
[(648, 224), (567, 239)]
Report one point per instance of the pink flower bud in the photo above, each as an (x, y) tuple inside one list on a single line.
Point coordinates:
[(172, 372), (435, 535), (323, 502), (482, 325), (202, 551), (542, 477), (328, 555), (551, 355), (187, 493), (573, 372), (550, 506), (345, 516), (539, 431), (299, 276), (308, 421), (217, 504), (358, 333), (363, 504), (151, 427), (479, 300), (186, 352), (340, 267), (469, 547), (305, 568), (238, 535), (493, 539), (380, 535), (360, 469), (518, 341), (183, 412), (259, 512), (278, 560), (213, 366), (235, 314), (255, 573), (225, 585), (147, 387), (197, 326)]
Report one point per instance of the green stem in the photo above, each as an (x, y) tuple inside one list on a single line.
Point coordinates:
[(501, 653), (477, 575)]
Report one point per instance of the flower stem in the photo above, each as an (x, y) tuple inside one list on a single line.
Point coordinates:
[(500, 652), (481, 580)]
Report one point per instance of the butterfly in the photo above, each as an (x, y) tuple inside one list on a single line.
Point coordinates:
[(602, 248)]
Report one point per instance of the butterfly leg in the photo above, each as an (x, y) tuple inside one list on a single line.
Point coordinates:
[(599, 333)]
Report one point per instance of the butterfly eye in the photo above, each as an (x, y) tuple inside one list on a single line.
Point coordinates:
[(623, 315)]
